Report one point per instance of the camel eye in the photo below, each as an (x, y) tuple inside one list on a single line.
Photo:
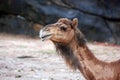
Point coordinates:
[(63, 28)]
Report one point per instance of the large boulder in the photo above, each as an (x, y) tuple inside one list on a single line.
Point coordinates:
[(16, 25), (99, 20)]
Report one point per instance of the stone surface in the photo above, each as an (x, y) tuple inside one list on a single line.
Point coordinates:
[(99, 20)]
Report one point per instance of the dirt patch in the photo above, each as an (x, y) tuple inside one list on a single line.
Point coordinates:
[(23, 58)]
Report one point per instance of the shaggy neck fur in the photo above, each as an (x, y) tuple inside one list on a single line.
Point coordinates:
[(66, 52)]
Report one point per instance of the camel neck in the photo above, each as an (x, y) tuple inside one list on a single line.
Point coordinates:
[(82, 51), (85, 59), (74, 52)]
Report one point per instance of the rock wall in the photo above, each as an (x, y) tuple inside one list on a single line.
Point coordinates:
[(99, 20)]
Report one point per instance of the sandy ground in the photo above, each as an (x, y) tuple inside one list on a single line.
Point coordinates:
[(23, 58)]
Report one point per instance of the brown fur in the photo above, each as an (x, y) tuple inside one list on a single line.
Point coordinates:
[(77, 55)]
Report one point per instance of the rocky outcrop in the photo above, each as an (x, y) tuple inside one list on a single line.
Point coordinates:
[(99, 20)]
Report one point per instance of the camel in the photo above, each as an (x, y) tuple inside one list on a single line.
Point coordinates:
[(70, 43)]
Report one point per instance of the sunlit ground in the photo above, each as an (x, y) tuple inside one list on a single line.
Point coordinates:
[(24, 58)]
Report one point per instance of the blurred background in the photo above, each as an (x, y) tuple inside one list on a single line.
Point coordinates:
[(99, 20)]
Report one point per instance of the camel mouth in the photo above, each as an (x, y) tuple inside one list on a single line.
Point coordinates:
[(44, 35)]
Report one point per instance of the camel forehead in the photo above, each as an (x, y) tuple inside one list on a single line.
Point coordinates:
[(61, 22), (64, 21), (58, 24)]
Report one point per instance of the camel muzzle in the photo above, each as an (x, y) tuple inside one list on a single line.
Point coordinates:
[(44, 35)]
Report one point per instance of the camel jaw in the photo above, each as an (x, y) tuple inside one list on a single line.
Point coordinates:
[(44, 35)]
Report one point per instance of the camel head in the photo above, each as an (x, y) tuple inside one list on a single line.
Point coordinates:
[(65, 35), (62, 31)]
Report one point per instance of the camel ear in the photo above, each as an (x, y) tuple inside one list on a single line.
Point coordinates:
[(75, 22)]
